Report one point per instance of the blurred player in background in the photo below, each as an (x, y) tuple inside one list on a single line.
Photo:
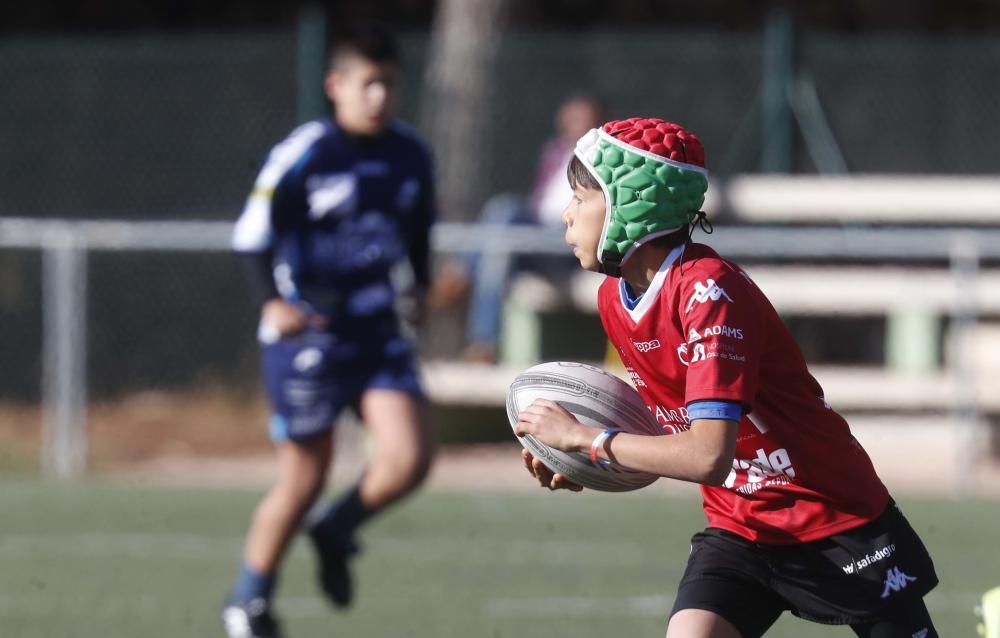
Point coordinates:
[(336, 206), (798, 519)]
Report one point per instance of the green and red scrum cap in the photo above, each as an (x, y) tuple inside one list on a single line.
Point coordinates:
[(654, 180)]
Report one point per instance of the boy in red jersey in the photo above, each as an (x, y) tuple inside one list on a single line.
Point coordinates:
[(798, 520)]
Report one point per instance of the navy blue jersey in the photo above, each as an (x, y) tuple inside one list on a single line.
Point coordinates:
[(334, 213)]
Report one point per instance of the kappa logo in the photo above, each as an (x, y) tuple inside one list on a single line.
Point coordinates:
[(704, 292), (922, 633), (896, 580), (646, 346)]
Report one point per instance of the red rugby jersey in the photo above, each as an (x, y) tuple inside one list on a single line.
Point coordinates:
[(703, 330)]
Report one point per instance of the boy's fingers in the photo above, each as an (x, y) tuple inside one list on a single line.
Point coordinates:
[(560, 482), (524, 427), (543, 473), (530, 415), (546, 477), (528, 458)]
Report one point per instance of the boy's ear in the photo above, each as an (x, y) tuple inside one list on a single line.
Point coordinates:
[(330, 84)]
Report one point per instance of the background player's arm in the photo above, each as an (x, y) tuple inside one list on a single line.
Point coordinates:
[(419, 243), (276, 204), (703, 454), (284, 317)]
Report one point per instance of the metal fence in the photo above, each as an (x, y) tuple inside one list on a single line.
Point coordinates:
[(174, 126), (167, 325)]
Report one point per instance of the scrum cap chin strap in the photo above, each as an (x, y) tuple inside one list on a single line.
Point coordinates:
[(611, 262)]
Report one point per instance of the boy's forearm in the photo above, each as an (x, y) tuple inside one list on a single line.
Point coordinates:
[(703, 454), (257, 269), (420, 260)]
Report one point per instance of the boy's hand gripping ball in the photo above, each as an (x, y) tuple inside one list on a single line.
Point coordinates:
[(597, 399)]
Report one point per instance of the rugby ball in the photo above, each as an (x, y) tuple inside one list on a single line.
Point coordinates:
[(597, 399)]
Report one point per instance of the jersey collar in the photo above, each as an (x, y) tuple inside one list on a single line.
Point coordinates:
[(649, 297)]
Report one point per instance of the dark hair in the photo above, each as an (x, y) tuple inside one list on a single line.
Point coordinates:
[(579, 175), (369, 41)]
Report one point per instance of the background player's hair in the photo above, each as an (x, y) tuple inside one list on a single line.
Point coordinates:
[(369, 41)]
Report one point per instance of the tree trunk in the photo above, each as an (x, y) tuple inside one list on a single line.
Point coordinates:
[(456, 104)]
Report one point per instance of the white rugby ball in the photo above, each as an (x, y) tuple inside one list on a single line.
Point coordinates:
[(597, 399)]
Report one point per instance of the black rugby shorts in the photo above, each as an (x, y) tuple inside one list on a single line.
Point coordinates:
[(875, 574)]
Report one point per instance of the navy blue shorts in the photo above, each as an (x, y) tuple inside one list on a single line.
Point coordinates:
[(311, 378)]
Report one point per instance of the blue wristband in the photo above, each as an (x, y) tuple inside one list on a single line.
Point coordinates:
[(726, 410)]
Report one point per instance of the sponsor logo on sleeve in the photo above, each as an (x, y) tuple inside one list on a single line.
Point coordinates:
[(697, 353), (723, 331), (705, 292), (700, 351)]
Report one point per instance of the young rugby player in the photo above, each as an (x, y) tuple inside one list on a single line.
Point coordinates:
[(335, 207), (798, 520)]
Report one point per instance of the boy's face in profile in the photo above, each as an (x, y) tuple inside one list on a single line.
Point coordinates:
[(584, 219), (363, 93)]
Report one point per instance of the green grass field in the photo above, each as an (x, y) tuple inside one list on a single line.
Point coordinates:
[(112, 561)]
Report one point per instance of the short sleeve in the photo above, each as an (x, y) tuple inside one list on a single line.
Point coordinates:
[(278, 200), (721, 318)]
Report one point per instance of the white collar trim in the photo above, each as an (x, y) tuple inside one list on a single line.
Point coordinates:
[(651, 293)]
